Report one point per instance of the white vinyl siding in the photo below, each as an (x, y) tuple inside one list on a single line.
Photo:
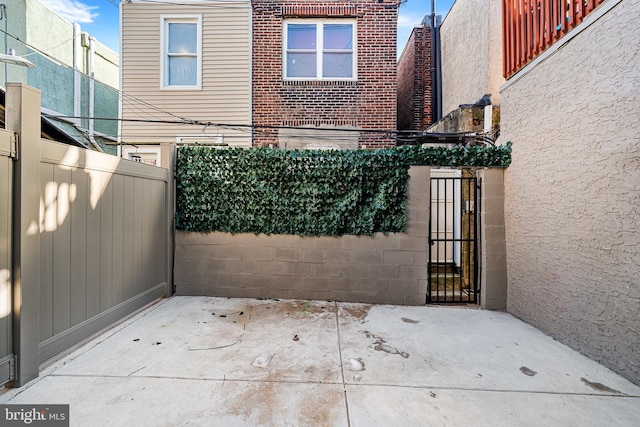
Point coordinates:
[(319, 49), (181, 51), (225, 95)]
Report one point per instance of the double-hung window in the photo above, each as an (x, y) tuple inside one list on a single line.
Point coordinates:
[(181, 61), (319, 49)]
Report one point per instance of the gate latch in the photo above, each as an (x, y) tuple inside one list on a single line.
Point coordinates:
[(13, 146)]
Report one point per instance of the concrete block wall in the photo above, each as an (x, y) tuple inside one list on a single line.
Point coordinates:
[(384, 269), (493, 263)]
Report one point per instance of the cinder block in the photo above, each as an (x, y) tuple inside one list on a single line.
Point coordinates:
[(369, 257), (325, 270), (413, 243), (312, 255), (311, 283), (259, 253), (415, 299), (287, 254), (417, 229), (423, 286), (407, 286), (357, 242), (238, 266), (374, 285), (302, 268), (344, 256), (384, 271), (412, 272), (389, 241), (356, 271), (329, 242), (274, 267), (287, 282), (399, 258)]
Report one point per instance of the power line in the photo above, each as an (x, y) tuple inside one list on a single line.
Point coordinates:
[(222, 125)]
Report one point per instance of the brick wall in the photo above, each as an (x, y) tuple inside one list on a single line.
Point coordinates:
[(384, 269), (367, 103), (414, 81)]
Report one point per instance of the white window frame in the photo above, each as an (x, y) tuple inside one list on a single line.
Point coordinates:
[(319, 48), (165, 20)]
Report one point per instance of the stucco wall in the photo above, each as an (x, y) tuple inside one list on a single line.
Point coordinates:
[(572, 201), (471, 45), (386, 269)]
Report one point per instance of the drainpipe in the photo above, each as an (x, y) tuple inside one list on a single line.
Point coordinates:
[(436, 66), (3, 16), (77, 77), (92, 89)]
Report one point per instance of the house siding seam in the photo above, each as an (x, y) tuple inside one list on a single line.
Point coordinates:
[(414, 81), (367, 103)]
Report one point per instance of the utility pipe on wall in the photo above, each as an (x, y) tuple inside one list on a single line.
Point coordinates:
[(77, 77)]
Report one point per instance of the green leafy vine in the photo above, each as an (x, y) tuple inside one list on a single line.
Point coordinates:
[(308, 193)]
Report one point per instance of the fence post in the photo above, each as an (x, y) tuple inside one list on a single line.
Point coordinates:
[(493, 248), (23, 117), (168, 153)]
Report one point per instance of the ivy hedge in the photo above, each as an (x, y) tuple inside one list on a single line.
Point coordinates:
[(305, 192)]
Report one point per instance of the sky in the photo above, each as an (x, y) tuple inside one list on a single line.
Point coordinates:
[(100, 18)]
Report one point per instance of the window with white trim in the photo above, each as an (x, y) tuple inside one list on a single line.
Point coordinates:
[(319, 49), (181, 52)]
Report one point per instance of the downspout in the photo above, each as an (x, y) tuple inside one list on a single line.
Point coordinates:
[(3, 15), (436, 75), (92, 94), (77, 77), (120, 84)]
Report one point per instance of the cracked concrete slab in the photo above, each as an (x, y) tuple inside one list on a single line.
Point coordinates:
[(246, 362)]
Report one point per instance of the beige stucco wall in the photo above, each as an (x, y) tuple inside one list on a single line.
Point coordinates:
[(225, 96), (572, 198), (388, 269), (471, 42)]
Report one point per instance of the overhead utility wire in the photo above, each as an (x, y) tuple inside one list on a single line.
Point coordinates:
[(222, 125), (121, 94)]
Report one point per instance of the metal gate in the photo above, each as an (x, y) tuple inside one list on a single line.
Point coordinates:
[(453, 260), (7, 358)]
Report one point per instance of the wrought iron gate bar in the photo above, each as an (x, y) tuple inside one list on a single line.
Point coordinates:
[(453, 262)]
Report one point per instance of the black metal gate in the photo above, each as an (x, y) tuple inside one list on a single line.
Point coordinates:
[(453, 243)]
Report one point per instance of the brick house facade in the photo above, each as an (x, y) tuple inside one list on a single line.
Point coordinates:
[(415, 82), (285, 97)]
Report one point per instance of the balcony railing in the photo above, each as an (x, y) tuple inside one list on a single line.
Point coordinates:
[(531, 26)]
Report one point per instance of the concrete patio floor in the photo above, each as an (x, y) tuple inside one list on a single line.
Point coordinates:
[(246, 362)]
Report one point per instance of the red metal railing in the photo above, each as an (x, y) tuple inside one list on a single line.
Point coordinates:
[(531, 26)]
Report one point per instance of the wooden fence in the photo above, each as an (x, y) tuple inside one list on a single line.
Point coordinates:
[(531, 26)]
